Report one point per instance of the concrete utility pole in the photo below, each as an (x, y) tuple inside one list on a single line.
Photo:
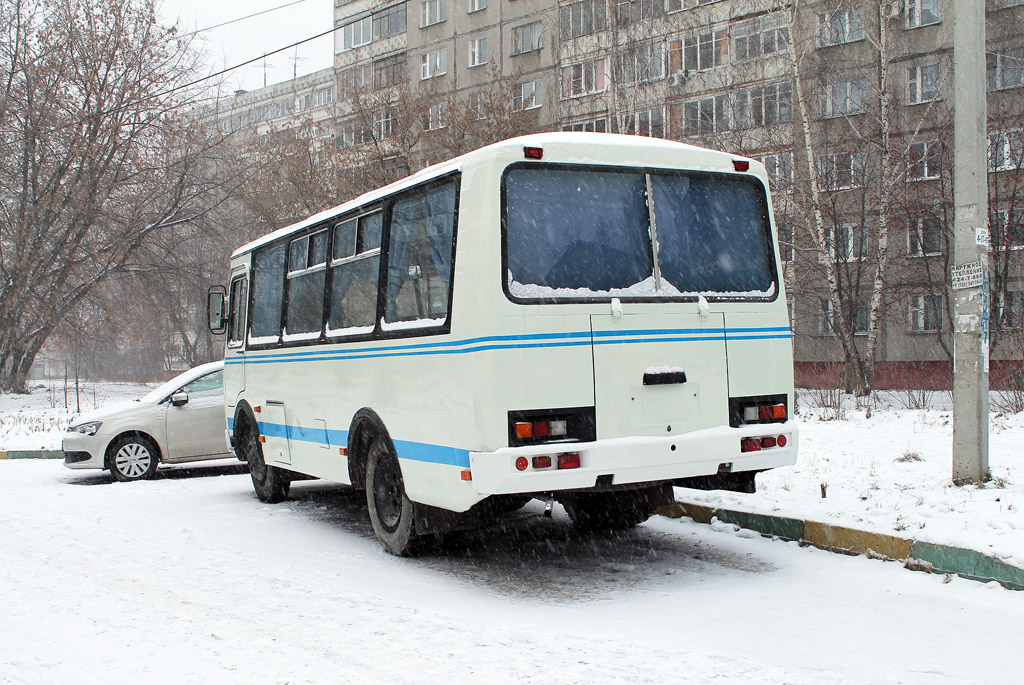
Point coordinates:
[(971, 241)]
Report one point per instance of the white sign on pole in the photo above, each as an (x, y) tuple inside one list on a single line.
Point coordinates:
[(968, 275)]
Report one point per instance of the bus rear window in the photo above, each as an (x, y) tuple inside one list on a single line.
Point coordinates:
[(586, 234)]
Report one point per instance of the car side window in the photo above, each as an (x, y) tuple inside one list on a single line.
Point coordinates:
[(208, 383)]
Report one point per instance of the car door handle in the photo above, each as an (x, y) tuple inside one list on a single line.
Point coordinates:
[(664, 377)]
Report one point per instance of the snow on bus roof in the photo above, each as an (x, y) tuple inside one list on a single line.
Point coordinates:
[(581, 139)]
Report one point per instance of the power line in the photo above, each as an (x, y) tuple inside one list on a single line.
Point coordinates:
[(235, 21)]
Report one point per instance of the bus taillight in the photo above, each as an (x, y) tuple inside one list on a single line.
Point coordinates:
[(568, 461)]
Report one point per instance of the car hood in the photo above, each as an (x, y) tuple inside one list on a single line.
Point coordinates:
[(113, 411)]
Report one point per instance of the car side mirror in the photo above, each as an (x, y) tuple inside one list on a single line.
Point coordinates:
[(215, 314), (179, 398)]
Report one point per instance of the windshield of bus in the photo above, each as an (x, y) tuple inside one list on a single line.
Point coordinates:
[(575, 233)]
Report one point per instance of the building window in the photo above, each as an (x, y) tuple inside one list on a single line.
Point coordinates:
[(760, 38), (924, 313), (632, 11), (924, 237), (433, 64), (842, 170), (477, 5), (583, 18), (526, 38), (357, 33), (478, 52), (432, 12), (1005, 69), (437, 117), (357, 78), (922, 13), (583, 78), (527, 95), (641, 63), (648, 122), (1011, 310), (857, 311), (677, 5), (479, 105), (384, 124), (591, 126), (705, 116), (763, 106), (389, 22), (700, 51), (922, 84), (841, 26), (389, 71), (1005, 150), (324, 96), (924, 160), (843, 98), (848, 243), (353, 132), (1009, 230), (780, 171)]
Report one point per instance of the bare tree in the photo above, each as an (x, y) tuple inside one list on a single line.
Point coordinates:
[(93, 157)]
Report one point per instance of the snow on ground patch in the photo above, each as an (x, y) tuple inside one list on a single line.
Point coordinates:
[(892, 473), (39, 419)]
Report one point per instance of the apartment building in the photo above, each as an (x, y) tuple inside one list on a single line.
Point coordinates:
[(721, 73)]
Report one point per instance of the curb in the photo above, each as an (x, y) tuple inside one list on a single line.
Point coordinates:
[(32, 454), (915, 555)]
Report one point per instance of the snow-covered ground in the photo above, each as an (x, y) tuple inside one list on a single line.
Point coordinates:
[(190, 579), (884, 467), (890, 470), (37, 421)]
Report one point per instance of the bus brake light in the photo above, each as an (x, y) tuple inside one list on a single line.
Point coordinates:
[(741, 165), (533, 152), (568, 461), (750, 445)]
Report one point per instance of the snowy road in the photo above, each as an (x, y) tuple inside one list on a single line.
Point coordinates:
[(190, 579)]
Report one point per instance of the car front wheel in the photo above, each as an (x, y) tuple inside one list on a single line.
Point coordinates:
[(133, 457)]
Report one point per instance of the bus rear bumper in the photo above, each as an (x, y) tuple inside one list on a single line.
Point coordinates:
[(633, 460)]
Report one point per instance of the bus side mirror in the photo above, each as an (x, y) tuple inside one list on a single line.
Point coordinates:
[(215, 314)]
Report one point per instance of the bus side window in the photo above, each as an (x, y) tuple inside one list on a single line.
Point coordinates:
[(420, 256), (236, 314), (307, 266), (354, 267), (267, 293)]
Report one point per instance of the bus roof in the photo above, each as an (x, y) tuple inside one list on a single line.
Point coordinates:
[(697, 157)]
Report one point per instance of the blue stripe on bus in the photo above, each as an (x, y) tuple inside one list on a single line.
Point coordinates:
[(510, 342), (575, 339), (413, 451)]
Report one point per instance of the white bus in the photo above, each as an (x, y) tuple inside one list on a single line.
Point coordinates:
[(587, 318)]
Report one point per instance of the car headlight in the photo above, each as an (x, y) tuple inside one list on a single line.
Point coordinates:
[(89, 428)]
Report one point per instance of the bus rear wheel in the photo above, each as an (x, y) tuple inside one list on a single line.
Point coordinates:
[(391, 512), (270, 483)]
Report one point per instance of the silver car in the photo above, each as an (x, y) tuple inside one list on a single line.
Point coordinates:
[(182, 420)]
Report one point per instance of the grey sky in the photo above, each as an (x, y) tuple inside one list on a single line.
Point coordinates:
[(251, 38)]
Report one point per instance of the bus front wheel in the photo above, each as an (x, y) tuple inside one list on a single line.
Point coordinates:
[(270, 483), (390, 509)]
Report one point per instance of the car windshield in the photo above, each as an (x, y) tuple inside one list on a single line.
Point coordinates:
[(161, 392), (583, 233)]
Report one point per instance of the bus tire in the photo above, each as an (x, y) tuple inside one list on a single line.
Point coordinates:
[(391, 512), (270, 482), (607, 510)]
